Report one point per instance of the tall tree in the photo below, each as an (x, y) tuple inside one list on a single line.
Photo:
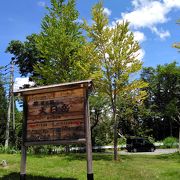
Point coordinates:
[(60, 49), (68, 56), (3, 108), (163, 100), (118, 55), (26, 55)]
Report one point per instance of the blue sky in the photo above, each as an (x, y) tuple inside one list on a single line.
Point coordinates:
[(152, 21)]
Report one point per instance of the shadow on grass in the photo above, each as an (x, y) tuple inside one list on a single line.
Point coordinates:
[(82, 157), (16, 176), (173, 156), (96, 157)]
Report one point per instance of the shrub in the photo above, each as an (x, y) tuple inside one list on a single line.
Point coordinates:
[(9, 150), (122, 141), (38, 149), (151, 139), (170, 142)]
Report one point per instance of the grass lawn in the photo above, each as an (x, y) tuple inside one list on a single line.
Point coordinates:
[(73, 167)]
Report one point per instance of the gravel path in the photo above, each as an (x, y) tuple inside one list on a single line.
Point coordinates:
[(156, 152)]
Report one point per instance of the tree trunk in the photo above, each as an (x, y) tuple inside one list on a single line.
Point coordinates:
[(179, 139), (170, 123), (7, 125), (97, 114), (67, 149), (115, 137)]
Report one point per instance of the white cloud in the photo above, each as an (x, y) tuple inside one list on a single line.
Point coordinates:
[(172, 3), (150, 13), (161, 33), (139, 36), (41, 3), (147, 15), (141, 54), (79, 21), (19, 82), (138, 3), (107, 11)]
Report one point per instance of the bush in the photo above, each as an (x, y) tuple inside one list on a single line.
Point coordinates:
[(9, 150), (151, 139), (122, 141), (44, 149), (170, 142)]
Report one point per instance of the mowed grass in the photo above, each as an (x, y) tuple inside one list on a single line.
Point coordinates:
[(73, 167)]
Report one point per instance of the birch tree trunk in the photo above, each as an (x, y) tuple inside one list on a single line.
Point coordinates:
[(7, 125)]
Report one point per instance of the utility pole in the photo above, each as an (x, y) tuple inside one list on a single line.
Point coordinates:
[(10, 103), (12, 95)]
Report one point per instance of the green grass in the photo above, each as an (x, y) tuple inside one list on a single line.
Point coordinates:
[(73, 167)]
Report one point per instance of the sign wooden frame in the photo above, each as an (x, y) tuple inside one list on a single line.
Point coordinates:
[(56, 114)]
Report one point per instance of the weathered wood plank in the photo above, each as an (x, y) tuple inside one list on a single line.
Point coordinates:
[(56, 115), (56, 133), (57, 142), (60, 94), (55, 124), (59, 109)]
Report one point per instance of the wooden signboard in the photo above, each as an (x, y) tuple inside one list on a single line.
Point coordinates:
[(57, 114)]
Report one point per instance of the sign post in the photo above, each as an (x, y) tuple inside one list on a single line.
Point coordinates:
[(88, 144), (57, 114), (23, 163)]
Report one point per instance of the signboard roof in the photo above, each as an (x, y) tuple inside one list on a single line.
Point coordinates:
[(54, 87)]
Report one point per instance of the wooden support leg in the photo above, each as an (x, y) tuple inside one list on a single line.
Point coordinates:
[(88, 145), (23, 163)]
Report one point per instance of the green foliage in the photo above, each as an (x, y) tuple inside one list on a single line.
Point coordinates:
[(16, 137), (129, 116), (3, 108), (60, 49), (170, 142), (68, 56), (151, 139), (122, 141), (116, 49), (102, 134), (162, 105), (100, 122), (46, 149), (9, 150), (26, 55)]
